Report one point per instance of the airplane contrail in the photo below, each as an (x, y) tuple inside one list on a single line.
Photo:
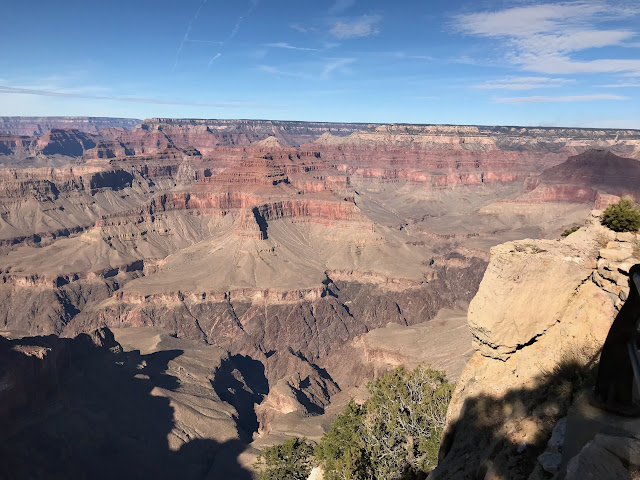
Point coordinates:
[(186, 34)]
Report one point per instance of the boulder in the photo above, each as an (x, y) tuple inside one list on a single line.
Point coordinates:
[(618, 254), (524, 292), (596, 463), (625, 448)]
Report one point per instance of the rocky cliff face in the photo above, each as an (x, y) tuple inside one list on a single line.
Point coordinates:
[(539, 318), (208, 133), (42, 125)]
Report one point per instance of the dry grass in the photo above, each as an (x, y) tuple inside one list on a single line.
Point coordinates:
[(575, 371), (602, 239)]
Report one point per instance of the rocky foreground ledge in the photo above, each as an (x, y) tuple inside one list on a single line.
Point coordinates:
[(539, 319)]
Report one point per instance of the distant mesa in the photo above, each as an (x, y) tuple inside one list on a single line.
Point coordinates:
[(583, 177), (41, 125)]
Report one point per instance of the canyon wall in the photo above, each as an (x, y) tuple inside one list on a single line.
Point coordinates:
[(287, 244), (41, 125), (539, 320)]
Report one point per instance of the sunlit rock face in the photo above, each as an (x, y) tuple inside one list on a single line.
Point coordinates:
[(539, 320)]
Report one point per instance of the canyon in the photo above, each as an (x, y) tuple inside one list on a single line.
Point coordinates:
[(251, 276)]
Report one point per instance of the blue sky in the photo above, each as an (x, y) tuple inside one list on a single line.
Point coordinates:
[(414, 61)]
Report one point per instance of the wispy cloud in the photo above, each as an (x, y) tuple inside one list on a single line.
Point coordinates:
[(6, 89), (313, 71), (253, 4), (270, 69), (523, 83), (363, 26), (568, 98), (206, 42), (299, 28), (186, 34), (412, 56), (290, 47), (214, 58), (337, 64), (341, 6), (542, 38), (621, 85)]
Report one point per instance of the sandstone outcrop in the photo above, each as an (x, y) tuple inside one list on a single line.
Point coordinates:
[(502, 328), (552, 303)]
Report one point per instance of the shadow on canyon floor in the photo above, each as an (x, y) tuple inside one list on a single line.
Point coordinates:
[(240, 381), (502, 436), (99, 419)]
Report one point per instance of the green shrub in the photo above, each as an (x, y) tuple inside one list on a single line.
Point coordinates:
[(395, 434), (342, 450), (290, 461), (623, 216), (569, 231)]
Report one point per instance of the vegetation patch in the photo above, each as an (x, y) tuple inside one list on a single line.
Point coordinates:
[(290, 461), (395, 434), (623, 216)]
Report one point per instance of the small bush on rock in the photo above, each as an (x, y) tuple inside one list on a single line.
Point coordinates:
[(623, 216), (569, 231)]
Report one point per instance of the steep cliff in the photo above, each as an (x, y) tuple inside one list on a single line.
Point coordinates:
[(541, 314)]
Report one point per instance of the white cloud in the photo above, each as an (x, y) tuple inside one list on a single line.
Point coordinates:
[(300, 28), (523, 83), (337, 64), (313, 71), (527, 21), (290, 47), (542, 38), (205, 42), (568, 98), (214, 58), (12, 90), (283, 73), (363, 26), (413, 57), (621, 85), (558, 64)]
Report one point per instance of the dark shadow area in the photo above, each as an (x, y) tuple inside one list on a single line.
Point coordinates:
[(615, 381), (81, 409), (113, 179), (241, 382), (502, 436), (262, 223)]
